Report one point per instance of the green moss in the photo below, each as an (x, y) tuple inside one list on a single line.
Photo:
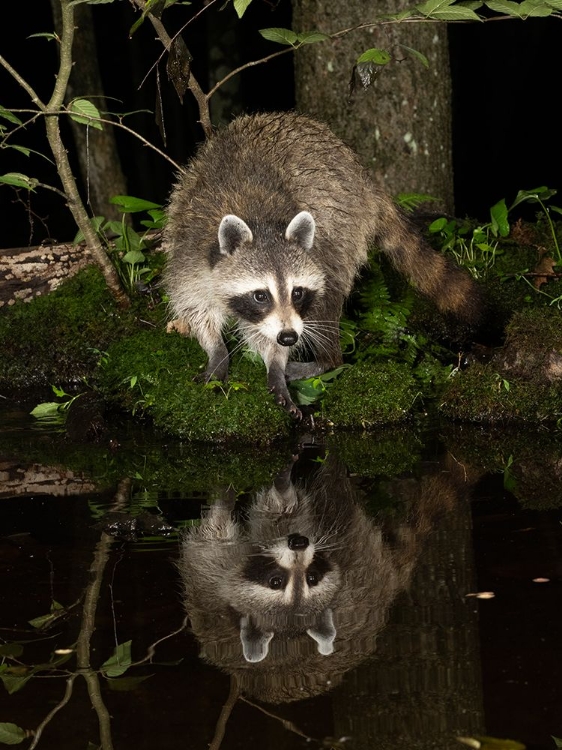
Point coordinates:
[(131, 451), (367, 395), (53, 338), (535, 330), (481, 394), (389, 452), (153, 372), (520, 382)]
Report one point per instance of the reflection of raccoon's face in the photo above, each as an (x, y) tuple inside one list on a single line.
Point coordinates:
[(300, 585), (291, 575), (277, 569)]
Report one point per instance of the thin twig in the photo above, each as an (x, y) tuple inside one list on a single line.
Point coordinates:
[(151, 650), (226, 710), (66, 697)]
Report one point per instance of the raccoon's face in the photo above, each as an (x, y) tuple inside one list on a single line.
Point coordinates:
[(290, 578), (287, 590), (271, 283)]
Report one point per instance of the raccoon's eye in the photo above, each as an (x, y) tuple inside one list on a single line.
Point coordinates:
[(312, 578), (275, 582), (260, 296), (298, 293)]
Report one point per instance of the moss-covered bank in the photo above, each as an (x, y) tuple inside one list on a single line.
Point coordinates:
[(522, 381), (404, 358)]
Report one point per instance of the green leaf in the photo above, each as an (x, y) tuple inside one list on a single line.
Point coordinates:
[(536, 8), (444, 10), (418, 55), (11, 734), (19, 180), (96, 223), (438, 225), (505, 7), (44, 620), (557, 741), (311, 37), (11, 649), (430, 6), (13, 683), (377, 56), (10, 116), (47, 409), (121, 660), (22, 149), (86, 113), (533, 196), (500, 223), (281, 36), (134, 256), (410, 201), (311, 389), (240, 6), (456, 14), (556, 4), (158, 216), (45, 34), (130, 205)]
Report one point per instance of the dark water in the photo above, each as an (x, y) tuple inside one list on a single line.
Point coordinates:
[(415, 524)]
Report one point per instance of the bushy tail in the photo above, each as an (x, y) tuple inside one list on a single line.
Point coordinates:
[(451, 288)]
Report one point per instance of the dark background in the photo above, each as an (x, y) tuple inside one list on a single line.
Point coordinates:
[(506, 126)]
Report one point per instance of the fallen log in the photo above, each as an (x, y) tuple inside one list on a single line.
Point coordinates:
[(28, 272)]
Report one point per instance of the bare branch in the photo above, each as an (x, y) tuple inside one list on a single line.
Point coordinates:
[(22, 82)]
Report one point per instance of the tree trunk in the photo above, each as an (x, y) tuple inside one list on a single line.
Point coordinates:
[(401, 125)]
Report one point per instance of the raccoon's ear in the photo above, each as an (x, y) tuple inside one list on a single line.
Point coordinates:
[(324, 632), (301, 229), (233, 232), (255, 643)]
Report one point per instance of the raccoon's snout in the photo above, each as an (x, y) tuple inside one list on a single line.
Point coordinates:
[(296, 541), (287, 338)]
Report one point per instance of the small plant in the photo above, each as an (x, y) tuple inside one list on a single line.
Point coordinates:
[(54, 412), (125, 246), (476, 248)]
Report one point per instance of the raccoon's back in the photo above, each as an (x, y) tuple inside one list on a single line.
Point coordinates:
[(266, 168)]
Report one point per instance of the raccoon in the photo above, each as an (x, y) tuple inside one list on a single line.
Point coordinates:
[(292, 595), (269, 226)]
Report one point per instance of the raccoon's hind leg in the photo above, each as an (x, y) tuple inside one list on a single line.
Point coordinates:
[(210, 339), (217, 366)]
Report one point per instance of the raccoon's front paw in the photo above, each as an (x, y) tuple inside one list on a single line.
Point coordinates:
[(284, 400)]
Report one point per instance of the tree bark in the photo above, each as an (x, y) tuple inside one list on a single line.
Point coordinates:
[(401, 125)]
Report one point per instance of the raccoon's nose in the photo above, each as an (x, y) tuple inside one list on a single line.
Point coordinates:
[(296, 541), (287, 338)]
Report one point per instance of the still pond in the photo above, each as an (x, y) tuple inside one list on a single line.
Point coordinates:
[(399, 589)]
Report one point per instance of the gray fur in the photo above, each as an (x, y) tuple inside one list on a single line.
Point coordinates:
[(286, 650), (279, 195)]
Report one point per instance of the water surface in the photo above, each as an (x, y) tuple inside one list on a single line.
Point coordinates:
[(444, 621)]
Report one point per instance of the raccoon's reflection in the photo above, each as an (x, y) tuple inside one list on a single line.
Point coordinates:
[(293, 595)]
